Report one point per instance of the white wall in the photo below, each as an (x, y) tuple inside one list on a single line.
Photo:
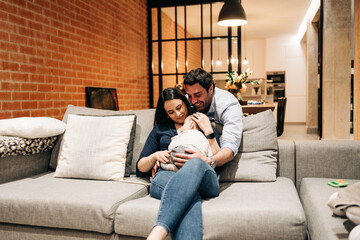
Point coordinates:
[(254, 51), (276, 54), (286, 54)]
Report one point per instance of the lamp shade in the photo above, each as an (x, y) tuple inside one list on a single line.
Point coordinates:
[(232, 14)]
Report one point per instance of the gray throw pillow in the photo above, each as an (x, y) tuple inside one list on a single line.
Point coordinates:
[(95, 112), (257, 157)]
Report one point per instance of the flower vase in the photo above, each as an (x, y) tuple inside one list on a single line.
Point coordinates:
[(243, 88), (234, 92), (238, 96)]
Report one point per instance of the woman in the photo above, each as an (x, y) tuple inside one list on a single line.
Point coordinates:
[(180, 192)]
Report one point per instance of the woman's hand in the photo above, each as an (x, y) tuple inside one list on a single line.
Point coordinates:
[(203, 121), (161, 156), (155, 168), (152, 162), (180, 159)]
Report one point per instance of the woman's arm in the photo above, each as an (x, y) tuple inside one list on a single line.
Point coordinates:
[(151, 154), (151, 145), (145, 164)]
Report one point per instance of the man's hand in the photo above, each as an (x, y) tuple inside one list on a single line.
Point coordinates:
[(180, 159), (203, 122)]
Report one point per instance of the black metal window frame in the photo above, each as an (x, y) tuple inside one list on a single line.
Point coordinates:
[(159, 4)]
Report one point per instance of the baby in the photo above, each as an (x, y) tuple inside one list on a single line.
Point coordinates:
[(189, 137)]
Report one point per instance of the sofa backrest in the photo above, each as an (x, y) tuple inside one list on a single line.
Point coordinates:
[(144, 125), (327, 159)]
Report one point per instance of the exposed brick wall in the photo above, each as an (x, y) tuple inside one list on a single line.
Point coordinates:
[(169, 52), (50, 50)]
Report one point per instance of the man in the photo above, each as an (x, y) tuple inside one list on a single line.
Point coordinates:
[(220, 106)]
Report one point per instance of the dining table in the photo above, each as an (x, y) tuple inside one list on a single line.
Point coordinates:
[(249, 109)]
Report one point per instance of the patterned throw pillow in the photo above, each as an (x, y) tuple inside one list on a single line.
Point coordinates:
[(12, 146)]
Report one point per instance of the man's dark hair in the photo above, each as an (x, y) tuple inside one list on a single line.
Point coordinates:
[(161, 116), (199, 76)]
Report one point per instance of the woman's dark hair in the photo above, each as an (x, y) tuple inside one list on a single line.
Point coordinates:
[(199, 76), (161, 116)]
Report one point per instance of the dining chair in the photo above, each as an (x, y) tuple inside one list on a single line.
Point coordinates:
[(280, 116)]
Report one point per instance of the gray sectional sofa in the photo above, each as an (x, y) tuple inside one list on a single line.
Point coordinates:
[(35, 205)]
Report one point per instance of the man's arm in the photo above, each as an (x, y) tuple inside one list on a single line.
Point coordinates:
[(223, 156), (231, 134)]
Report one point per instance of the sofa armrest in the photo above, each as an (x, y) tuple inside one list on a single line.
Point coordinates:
[(327, 159), (23, 157), (22, 166), (286, 163)]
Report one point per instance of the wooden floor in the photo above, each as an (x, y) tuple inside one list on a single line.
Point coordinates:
[(297, 131)]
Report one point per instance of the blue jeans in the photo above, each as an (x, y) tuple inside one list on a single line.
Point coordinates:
[(180, 193)]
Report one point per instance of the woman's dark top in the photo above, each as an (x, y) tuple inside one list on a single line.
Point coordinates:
[(159, 140)]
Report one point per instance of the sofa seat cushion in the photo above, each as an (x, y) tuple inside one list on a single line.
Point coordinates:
[(322, 223), (46, 201), (267, 210)]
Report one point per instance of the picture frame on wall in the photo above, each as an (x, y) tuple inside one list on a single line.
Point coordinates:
[(101, 98)]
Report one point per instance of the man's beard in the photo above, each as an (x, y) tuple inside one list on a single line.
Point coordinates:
[(206, 108)]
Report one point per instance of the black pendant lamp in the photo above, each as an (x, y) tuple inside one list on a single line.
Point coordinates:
[(232, 14)]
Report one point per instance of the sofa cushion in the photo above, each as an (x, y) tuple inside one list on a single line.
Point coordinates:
[(257, 157), (269, 210), (46, 201), (95, 147), (322, 223), (93, 112)]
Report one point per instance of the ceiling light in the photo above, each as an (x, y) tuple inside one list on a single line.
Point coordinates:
[(245, 62), (232, 14), (218, 62)]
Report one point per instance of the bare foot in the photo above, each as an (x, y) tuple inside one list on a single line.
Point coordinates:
[(157, 233)]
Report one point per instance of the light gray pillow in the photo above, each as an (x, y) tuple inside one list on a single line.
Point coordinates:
[(257, 157), (95, 112)]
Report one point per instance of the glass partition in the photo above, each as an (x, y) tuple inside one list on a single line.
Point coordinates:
[(168, 23), (189, 38)]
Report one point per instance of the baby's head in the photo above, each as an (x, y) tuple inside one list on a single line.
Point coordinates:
[(189, 124)]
